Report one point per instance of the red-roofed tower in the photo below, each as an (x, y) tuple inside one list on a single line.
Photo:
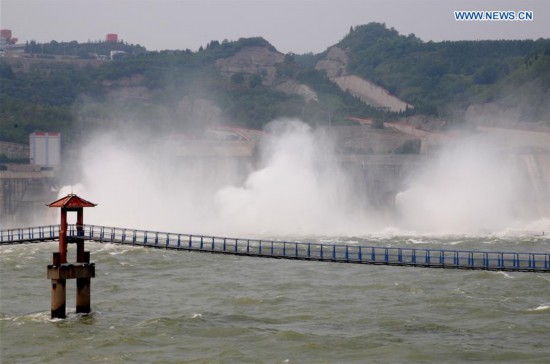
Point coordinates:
[(60, 270)]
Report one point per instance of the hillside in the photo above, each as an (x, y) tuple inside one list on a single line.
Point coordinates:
[(447, 77), (335, 66), (374, 73)]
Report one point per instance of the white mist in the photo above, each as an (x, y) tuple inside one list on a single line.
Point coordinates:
[(301, 189), (298, 189), (469, 188)]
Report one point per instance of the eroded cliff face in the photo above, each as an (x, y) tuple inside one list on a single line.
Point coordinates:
[(370, 93), (262, 61), (252, 60), (335, 63), (294, 87)]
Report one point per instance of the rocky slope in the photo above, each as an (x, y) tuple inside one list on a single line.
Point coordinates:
[(262, 61), (334, 64)]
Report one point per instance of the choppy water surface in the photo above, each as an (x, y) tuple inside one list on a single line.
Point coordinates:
[(166, 306)]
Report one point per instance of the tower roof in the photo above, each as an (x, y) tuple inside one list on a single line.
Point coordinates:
[(71, 201)]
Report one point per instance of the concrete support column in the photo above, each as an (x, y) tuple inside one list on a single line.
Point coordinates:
[(83, 295), (59, 291), (58, 298)]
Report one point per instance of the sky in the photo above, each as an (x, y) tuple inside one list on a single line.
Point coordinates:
[(299, 26)]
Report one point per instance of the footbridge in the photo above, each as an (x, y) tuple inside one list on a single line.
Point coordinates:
[(327, 252)]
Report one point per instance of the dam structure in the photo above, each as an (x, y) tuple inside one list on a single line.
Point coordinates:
[(379, 162), (323, 252)]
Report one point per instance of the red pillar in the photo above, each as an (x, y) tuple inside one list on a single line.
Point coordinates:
[(59, 285), (82, 284), (63, 237), (79, 233)]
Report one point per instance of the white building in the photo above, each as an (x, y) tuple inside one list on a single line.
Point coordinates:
[(45, 149)]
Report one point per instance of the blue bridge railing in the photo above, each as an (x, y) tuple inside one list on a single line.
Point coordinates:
[(29, 234), (335, 252)]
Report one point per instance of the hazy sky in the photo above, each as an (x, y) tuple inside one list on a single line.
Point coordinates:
[(298, 26)]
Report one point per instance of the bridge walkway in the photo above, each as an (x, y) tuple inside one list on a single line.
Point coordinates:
[(328, 252)]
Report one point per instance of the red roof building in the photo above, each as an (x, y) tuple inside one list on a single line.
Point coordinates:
[(72, 201)]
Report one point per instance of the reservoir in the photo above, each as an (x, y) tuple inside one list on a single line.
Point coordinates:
[(155, 305)]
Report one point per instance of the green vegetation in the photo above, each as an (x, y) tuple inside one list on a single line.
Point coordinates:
[(157, 90), (39, 100)]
